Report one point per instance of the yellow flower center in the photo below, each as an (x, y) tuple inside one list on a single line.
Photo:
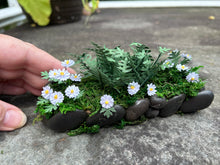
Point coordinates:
[(47, 91), (67, 61), (72, 91), (54, 73), (182, 66), (55, 97), (187, 55), (132, 87), (61, 73), (106, 102), (151, 89), (167, 63), (192, 78), (75, 76)]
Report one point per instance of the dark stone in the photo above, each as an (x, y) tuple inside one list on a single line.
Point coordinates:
[(70, 120), (157, 102), (138, 109), (172, 106), (152, 113), (199, 102), (101, 120)]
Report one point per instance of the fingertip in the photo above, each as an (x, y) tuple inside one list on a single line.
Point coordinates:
[(11, 117), (2, 112), (72, 71)]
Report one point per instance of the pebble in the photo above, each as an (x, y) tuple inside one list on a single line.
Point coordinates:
[(70, 120), (138, 109), (102, 121), (152, 113), (172, 106), (199, 102), (157, 102)]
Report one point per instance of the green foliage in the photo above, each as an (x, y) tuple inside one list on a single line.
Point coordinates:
[(123, 122), (45, 75), (107, 112), (116, 68), (163, 50), (84, 129), (195, 69), (45, 108), (39, 10), (171, 82), (111, 72), (42, 101), (37, 119)]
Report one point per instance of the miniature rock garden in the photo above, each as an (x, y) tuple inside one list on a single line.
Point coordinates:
[(118, 88)]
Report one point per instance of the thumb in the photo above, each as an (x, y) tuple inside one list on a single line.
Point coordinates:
[(11, 117)]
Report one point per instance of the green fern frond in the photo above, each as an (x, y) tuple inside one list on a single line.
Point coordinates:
[(45, 75)]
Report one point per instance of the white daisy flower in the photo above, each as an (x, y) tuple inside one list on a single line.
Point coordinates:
[(168, 63), (151, 89), (53, 74), (176, 50), (46, 92), (56, 97), (75, 77), (170, 53), (107, 101), (133, 88), (173, 51), (182, 67), (192, 77), (188, 56), (72, 91), (63, 75), (67, 63)]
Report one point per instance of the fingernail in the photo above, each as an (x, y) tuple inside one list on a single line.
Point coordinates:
[(14, 119)]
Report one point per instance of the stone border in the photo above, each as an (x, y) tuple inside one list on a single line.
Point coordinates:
[(150, 108)]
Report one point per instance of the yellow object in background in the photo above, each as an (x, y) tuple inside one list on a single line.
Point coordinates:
[(211, 17)]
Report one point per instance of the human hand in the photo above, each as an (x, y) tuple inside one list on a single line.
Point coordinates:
[(21, 65)]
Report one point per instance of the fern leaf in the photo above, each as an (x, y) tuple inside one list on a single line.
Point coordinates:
[(50, 108), (107, 112), (45, 75), (163, 50), (123, 66), (42, 101)]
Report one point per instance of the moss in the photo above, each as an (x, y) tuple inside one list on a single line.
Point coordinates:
[(123, 122), (84, 129)]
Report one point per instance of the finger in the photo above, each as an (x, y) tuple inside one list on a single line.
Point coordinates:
[(15, 82), (11, 74), (34, 80), (8, 76), (25, 56), (7, 88), (11, 117), (11, 88), (34, 91), (39, 60)]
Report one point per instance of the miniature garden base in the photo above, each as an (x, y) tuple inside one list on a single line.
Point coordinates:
[(150, 108)]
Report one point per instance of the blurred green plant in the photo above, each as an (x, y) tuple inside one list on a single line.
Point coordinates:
[(39, 10), (90, 8)]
